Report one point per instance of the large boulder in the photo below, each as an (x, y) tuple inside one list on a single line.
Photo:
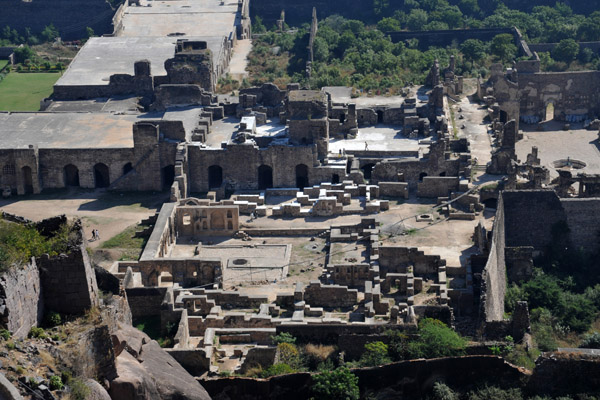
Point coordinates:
[(146, 372)]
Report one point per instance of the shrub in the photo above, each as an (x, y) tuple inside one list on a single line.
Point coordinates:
[(376, 353), (441, 391), (591, 341), (288, 354), (283, 337), (436, 340), (33, 383), (79, 390), (56, 383), (496, 393), (5, 334), (38, 333), (339, 384), (52, 319), (315, 355), (277, 369)]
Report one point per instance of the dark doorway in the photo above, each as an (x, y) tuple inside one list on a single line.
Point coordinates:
[(335, 178), (491, 203), (503, 116), (380, 117), (71, 175), (27, 180), (301, 176), (101, 176), (421, 176), (167, 176), (265, 177), (127, 167), (342, 118), (215, 176), (443, 173), (367, 170)]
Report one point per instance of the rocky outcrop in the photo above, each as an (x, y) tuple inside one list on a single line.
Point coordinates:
[(97, 391), (146, 372), (21, 301)]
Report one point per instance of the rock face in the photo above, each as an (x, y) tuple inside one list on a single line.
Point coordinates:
[(147, 372)]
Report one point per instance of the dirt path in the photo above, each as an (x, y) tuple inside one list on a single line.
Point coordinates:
[(239, 61), (110, 213)]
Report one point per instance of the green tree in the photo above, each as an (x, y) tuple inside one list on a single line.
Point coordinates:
[(49, 33), (389, 25), (89, 32), (566, 50), (23, 53), (436, 340), (503, 47), (376, 353), (257, 25), (469, 7), (416, 19), (339, 384), (473, 49), (320, 49)]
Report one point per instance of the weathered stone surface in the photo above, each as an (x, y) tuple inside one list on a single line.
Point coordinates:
[(21, 302), (152, 373), (97, 392)]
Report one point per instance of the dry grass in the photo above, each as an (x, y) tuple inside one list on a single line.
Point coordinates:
[(319, 351)]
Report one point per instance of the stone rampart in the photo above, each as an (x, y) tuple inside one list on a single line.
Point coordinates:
[(21, 300)]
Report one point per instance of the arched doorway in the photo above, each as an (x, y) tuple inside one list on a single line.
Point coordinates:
[(27, 180), (101, 176), (71, 175), (549, 111), (421, 176), (215, 176), (127, 167), (265, 177), (335, 178), (301, 176), (367, 170), (167, 176)]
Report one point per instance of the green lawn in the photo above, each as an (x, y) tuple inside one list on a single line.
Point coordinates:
[(3, 63), (24, 91)]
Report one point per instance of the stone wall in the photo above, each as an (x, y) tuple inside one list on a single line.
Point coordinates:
[(417, 379), (437, 186), (396, 259), (68, 281), (584, 222), (318, 295), (529, 216), (246, 175), (145, 302), (493, 280), (572, 93), (21, 300)]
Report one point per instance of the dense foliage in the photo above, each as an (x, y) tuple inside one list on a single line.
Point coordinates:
[(339, 384), (18, 243), (564, 292), (352, 53)]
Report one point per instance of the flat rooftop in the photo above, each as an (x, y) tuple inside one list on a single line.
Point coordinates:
[(189, 17), (102, 57), (66, 130), (80, 130)]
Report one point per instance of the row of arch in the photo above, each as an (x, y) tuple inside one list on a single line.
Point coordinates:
[(102, 175), (264, 176)]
